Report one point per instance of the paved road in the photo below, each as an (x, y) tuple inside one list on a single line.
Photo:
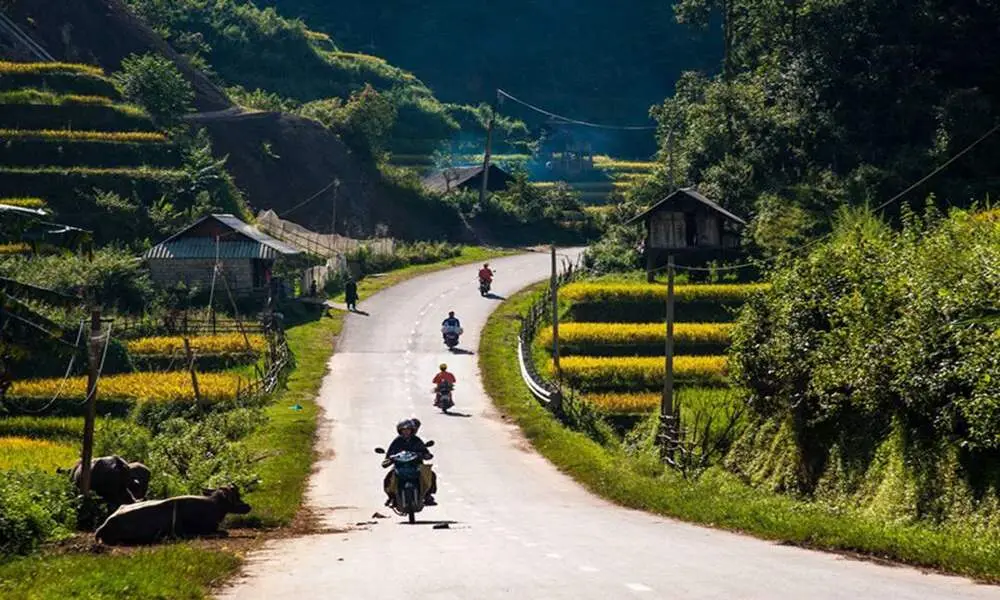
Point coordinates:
[(518, 528)]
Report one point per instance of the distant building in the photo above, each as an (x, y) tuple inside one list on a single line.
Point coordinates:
[(467, 178), (246, 256), (689, 224)]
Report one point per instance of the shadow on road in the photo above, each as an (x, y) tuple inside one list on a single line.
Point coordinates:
[(493, 296), (461, 351), (360, 312), (431, 523), (458, 414)]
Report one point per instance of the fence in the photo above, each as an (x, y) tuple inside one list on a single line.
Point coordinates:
[(321, 244), (277, 361), (180, 322), (548, 393)]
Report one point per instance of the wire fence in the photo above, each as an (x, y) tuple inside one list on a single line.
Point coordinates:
[(326, 245)]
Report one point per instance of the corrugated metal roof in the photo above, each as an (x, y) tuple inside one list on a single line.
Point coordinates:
[(261, 246), (691, 193), (192, 248)]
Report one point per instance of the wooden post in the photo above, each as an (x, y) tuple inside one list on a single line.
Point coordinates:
[(555, 317), (194, 376), (486, 155), (667, 402), (93, 364), (333, 216)]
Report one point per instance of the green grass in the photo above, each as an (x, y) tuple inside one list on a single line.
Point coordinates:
[(288, 437), (717, 499), (174, 571), (46, 455), (30, 96), (470, 254), (42, 428)]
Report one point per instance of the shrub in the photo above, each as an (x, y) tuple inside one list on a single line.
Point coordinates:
[(153, 82), (589, 373), (24, 202), (623, 339), (34, 507)]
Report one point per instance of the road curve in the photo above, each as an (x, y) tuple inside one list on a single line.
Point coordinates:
[(518, 527)]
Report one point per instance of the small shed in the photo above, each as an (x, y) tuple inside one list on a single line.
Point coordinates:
[(688, 223), (467, 178), (246, 254)]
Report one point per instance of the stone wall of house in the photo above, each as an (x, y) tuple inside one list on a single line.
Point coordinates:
[(198, 273)]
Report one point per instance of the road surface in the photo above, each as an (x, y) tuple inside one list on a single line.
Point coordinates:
[(518, 527)]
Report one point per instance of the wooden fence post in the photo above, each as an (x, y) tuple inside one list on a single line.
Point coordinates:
[(93, 364), (194, 376)]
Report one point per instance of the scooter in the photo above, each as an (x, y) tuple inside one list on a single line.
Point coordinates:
[(451, 335), (442, 396), (409, 498)]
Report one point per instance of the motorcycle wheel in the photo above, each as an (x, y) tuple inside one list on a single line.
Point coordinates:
[(411, 516)]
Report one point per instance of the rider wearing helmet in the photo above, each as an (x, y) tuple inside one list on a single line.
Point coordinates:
[(444, 376), (408, 440), (451, 323)]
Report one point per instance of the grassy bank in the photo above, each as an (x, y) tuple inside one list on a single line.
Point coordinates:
[(717, 499), (470, 254)]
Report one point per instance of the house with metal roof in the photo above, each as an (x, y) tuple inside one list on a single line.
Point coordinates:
[(245, 256), (689, 224), (467, 178)]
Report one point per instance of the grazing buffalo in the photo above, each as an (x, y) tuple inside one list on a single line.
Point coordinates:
[(115, 480), (182, 516)]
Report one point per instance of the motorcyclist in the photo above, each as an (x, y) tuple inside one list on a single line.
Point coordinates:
[(485, 274), (408, 440), (442, 379), (451, 323)]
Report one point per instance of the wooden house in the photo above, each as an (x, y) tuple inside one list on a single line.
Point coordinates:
[(689, 224), (246, 256)]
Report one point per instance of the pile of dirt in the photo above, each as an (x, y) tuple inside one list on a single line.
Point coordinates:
[(278, 160)]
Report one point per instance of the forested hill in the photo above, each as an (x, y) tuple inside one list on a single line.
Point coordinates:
[(605, 61)]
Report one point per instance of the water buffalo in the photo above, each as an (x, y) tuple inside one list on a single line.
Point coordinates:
[(182, 516), (115, 480)]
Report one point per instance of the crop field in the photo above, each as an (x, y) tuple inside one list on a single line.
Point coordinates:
[(624, 339), (31, 96), (43, 68), (15, 248), (91, 136), (591, 373), (228, 343), (42, 428), (44, 455), (170, 387), (633, 166), (691, 398), (24, 202), (633, 293)]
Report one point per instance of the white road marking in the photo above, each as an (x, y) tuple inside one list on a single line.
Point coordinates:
[(530, 545), (587, 569), (513, 538), (499, 529), (553, 555), (459, 499), (638, 587)]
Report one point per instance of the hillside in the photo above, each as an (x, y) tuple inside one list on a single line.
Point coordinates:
[(607, 62), (259, 150)]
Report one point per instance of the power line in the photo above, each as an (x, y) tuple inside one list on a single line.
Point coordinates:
[(336, 181), (576, 121)]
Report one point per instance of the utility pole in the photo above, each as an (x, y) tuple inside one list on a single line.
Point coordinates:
[(333, 215), (194, 376), (670, 159), (93, 364), (555, 317), (668, 424), (487, 154)]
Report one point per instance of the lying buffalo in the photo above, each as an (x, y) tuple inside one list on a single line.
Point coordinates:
[(183, 516), (115, 480)]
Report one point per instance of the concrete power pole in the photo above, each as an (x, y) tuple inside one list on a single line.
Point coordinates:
[(93, 364)]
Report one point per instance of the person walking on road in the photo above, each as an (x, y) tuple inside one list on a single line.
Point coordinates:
[(351, 294)]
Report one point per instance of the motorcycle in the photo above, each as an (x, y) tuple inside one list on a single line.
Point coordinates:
[(409, 498), (484, 287), (442, 397), (451, 335)]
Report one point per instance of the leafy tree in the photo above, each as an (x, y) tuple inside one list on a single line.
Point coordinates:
[(365, 121), (154, 83)]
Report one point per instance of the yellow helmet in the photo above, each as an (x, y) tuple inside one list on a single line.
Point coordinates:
[(443, 367)]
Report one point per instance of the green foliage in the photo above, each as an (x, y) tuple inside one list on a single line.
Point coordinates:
[(114, 279), (259, 99), (34, 506), (877, 331), (154, 83), (364, 121), (404, 255)]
